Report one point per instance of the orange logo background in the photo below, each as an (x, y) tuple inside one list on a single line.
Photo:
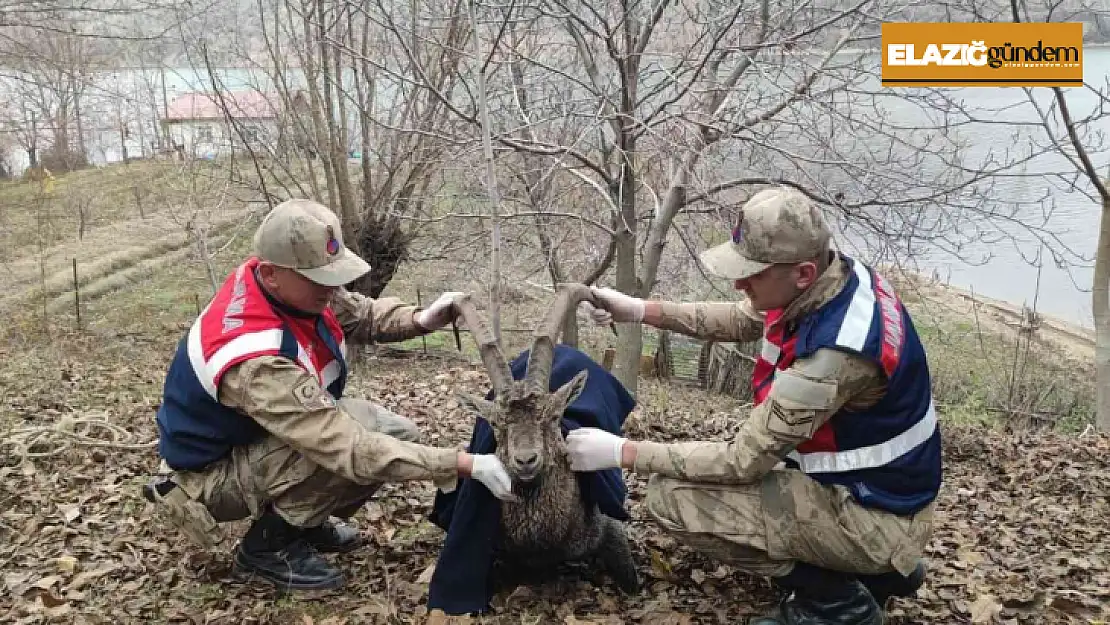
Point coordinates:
[(993, 54)]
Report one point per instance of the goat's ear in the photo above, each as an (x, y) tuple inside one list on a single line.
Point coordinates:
[(477, 406), (567, 393)]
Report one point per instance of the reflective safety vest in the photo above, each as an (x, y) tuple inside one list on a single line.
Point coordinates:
[(241, 322), (888, 455)]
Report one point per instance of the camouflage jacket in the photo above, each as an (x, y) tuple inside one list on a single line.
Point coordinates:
[(271, 390), (772, 429)]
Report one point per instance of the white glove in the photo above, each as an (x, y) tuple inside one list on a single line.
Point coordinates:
[(616, 306), (440, 313), (488, 470), (592, 449)]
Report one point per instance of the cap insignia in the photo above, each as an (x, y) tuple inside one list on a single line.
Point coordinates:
[(333, 243), (738, 231)]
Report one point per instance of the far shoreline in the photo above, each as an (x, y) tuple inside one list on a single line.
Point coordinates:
[(995, 315)]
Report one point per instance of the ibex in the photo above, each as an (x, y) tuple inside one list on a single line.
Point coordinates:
[(551, 522)]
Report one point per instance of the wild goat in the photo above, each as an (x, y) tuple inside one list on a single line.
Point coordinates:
[(551, 523)]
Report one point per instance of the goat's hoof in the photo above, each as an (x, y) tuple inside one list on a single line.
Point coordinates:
[(631, 589), (629, 585)]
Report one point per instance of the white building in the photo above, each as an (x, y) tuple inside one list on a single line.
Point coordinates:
[(203, 125)]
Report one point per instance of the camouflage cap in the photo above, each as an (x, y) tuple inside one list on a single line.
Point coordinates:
[(306, 236), (779, 225)]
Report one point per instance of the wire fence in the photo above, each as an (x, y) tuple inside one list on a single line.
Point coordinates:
[(719, 367)]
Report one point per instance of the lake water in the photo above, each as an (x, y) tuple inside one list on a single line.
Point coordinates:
[(1002, 265), (997, 267)]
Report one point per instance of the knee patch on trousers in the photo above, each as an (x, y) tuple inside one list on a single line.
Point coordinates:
[(191, 517), (691, 515)]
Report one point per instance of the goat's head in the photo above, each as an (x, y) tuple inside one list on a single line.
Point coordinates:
[(525, 414)]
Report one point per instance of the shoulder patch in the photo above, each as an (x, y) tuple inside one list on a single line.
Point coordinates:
[(794, 389), (312, 397), (793, 424)]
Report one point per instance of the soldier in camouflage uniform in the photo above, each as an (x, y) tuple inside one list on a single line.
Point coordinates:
[(829, 486), (254, 422)]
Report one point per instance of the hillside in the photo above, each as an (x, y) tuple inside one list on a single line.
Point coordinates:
[(1021, 533)]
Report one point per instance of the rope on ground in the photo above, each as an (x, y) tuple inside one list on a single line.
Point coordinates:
[(44, 441)]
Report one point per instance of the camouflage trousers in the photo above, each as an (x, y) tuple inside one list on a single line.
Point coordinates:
[(765, 527), (272, 472)]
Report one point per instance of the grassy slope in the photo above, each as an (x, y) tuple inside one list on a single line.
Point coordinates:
[(31, 214)]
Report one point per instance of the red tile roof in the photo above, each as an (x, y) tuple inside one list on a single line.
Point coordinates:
[(240, 104)]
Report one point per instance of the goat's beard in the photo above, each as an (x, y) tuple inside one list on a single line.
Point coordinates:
[(527, 489)]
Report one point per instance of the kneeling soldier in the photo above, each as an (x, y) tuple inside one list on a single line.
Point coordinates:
[(828, 487), (254, 423)]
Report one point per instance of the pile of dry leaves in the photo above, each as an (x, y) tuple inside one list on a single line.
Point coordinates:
[(1023, 534)]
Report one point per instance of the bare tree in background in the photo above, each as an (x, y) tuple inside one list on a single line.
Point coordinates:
[(334, 77), (206, 208), (1046, 148), (50, 72), (1075, 138), (686, 108), (53, 53)]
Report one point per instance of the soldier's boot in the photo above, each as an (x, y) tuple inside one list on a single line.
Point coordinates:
[(191, 517), (278, 552), (333, 537), (822, 597), (893, 584)]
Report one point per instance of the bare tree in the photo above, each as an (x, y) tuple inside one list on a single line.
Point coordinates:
[(683, 109), (1074, 139), (330, 73), (1044, 142), (52, 72)]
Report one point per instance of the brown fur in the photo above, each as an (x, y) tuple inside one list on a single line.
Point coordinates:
[(550, 523)]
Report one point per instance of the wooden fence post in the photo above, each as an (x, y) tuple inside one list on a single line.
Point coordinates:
[(76, 294)]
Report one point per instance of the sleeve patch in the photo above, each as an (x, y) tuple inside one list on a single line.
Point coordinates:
[(795, 390), (312, 397), (795, 402), (790, 423)]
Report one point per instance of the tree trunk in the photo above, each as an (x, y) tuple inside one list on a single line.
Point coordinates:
[(366, 88), (340, 176), (81, 148), (348, 210), (627, 368), (1100, 307), (491, 182), (319, 129), (61, 136), (201, 236), (630, 343), (673, 201)]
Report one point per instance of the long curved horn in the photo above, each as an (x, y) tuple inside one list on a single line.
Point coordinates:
[(540, 357), (500, 376)]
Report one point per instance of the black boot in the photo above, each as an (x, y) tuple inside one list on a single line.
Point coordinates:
[(330, 537), (277, 551), (823, 597), (894, 584)]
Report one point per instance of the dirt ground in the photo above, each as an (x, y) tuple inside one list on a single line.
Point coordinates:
[(1021, 533)]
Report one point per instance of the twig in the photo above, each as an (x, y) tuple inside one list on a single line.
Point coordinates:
[(543, 287), (1047, 416), (978, 327), (237, 127), (63, 435)]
